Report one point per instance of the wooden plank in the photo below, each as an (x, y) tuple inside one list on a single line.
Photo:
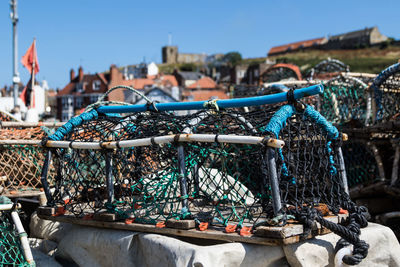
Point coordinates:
[(27, 193), (291, 232), (181, 224)]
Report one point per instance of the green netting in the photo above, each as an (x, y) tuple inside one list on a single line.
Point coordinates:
[(20, 164), (346, 100), (10, 245)]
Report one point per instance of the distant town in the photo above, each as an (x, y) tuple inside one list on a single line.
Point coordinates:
[(184, 76)]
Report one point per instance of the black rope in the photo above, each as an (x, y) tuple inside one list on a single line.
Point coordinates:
[(44, 141), (216, 139), (117, 144), (349, 234), (176, 138), (152, 141), (290, 96)]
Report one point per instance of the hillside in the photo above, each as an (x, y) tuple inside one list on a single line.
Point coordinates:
[(370, 60)]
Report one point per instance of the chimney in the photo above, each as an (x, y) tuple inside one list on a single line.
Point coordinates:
[(115, 74), (80, 73), (71, 74)]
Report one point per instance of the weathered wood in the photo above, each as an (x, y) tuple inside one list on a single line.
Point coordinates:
[(46, 211), (27, 193), (291, 229), (181, 224), (213, 233), (105, 217)]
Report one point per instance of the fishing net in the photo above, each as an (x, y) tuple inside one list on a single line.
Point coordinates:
[(328, 69), (346, 100), (10, 246), (21, 162), (219, 182), (386, 87), (361, 165), (281, 72), (244, 91)]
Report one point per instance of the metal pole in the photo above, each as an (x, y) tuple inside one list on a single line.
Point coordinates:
[(109, 177), (342, 170), (14, 19), (273, 179), (183, 182), (43, 178)]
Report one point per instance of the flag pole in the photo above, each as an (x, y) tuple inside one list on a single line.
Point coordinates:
[(32, 75)]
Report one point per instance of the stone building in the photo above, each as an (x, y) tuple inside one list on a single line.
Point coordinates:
[(356, 39), (171, 55)]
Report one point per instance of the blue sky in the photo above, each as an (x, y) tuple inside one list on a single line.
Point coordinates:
[(98, 33)]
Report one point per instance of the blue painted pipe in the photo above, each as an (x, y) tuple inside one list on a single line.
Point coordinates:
[(225, 103)]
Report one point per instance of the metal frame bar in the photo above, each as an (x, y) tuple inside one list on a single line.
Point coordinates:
[(109, 178), (43, 178), (207, 138), (225, 103), (183, 178), (273, 180)]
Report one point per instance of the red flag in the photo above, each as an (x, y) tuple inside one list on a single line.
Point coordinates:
[(30, 57), (28, 95)]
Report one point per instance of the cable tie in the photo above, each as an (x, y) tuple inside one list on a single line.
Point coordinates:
[(152, 141)]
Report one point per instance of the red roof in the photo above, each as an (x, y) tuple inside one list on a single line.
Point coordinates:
[(203, 83), (165, 79), (137, 83), (292, 67), (201, 95), (295, 46)]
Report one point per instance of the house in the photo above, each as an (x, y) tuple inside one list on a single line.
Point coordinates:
[(356, 39), (141, 70), (82, 90), (156, 94), (203, 83), (238, 73), (186, 78), (307, 44), (85, 89), (203, 95)]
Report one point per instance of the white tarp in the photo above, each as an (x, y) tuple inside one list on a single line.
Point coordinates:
[(88, 246)]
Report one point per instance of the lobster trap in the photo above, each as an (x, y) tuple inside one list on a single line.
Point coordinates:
[(21, 158), (14, 246), (220, 166)]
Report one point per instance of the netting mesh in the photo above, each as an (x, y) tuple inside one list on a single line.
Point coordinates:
[(20, 164), (215, 182), (387, 94), (361, 164), (10, 245), (346, 100), (328, 69)]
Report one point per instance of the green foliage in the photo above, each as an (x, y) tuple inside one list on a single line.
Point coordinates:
[(188, 67), (232, 58)]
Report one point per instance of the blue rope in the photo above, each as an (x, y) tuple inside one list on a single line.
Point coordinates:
[(74, 122), (320, 120), (278, 120), (378, 82), (275, 125)]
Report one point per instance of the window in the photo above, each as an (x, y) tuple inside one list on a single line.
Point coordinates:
[(79, 87), (67, 102), (78, 102), (96, 85), (94, 98)]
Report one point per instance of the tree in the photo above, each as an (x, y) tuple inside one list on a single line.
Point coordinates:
[(232, 58)]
